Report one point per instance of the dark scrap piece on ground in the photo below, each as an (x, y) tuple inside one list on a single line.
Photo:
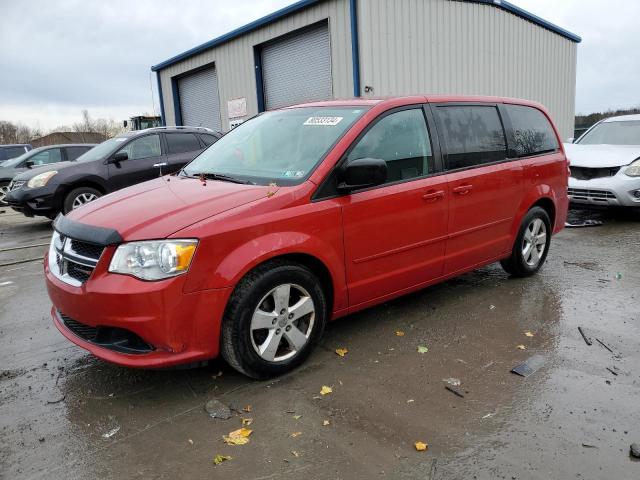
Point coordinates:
[(635, 450), (587, 339), (455, 391), (217, 409), (529, 366), (604, 345), (585, 223)]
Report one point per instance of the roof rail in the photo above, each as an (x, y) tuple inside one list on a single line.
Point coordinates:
[(177, 127)]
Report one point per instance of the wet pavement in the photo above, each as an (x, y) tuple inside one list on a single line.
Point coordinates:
[(64, 414)]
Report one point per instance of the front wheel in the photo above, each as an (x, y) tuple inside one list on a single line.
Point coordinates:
[(4, 190), (78, 197), (274, 319), (531, 246)]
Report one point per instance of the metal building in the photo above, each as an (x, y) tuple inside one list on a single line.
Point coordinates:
[(319, 49)]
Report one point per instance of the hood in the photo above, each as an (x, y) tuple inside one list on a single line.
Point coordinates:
[(8, 173), (27, 175), (160, 207), (601, 156)]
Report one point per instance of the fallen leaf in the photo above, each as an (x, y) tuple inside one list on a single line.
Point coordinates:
[(411, 400), (294, 453), (399, 333), (521, 347), (297, 417), (218, 459), (325, 390), (341, 351), (326, 423), (421, 447), (528, 334), (247, 421), (295, 434), (422, 349), (190, 441), (238, 437), (247, 409)]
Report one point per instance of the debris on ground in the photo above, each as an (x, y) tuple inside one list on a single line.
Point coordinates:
[(238, 437), (297, 417), (399, 333), (521, 347), (492, 307), (531, 365), (635, 450), (217, 409), (422, 349), (604, 345), (618, 276), (111, 432), (488, 415), (452, 381), (613, 370), (295, 434), (421, 446), (190, 442), (218, 459), (325, 390), (57, 400), (528, 334), (341, 351), (247, 421), (587, 339), (326, 423), (454, 390), (584, 223), (586, 445), (295, 454), (247, 409), (411, 400)]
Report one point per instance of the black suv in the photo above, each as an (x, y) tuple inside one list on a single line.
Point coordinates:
[(119, 162)]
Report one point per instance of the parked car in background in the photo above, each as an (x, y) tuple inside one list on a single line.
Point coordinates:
[(119, 162), (7, 152), (37, 157), (303, 215), (605, 164)]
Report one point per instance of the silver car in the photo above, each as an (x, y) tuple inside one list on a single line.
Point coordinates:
[(605, 164)]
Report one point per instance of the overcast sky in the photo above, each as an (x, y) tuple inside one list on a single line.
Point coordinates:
[(58, 57)]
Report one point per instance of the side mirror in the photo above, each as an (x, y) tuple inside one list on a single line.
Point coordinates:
[(363, 172), (29, 164), (120, 157)]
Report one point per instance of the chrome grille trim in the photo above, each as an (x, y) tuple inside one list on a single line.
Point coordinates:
[(590, 194), (16, 184), (66, 264)]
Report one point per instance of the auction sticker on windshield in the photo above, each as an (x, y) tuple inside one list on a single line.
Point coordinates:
[(323, 121)]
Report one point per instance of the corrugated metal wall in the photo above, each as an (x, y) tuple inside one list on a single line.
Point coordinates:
[(234, 60), (447, 46)]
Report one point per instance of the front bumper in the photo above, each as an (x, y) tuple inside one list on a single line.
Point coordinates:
[(179, 328), (32, 202), (616, 191)]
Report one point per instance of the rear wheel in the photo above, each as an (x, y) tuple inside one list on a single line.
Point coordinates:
[(78, 197), (274, 319), (531, 246)]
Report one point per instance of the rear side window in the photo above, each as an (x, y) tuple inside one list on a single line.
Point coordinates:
[(75, 152), (48, 156), (532, 132), (182, 142), (401, 139), (473, 135), (208, 139)]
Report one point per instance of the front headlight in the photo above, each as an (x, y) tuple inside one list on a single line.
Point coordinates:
[(153, 260), (41, 179), (633, 170)]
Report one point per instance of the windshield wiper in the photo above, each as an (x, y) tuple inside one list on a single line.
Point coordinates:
[(217, 176)]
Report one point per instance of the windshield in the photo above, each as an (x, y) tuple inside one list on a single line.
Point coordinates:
[(282, 146), (100, 152), (613, 133)]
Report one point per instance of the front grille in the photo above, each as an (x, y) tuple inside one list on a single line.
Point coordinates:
[(16, 184), (72, 260), (589, 194), (584, 173), (112, 338)]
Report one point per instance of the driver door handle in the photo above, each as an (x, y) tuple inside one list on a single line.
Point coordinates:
[(463, 189), (433, 195)]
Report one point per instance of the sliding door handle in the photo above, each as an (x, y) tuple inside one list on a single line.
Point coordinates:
[(433, 195), (463, 189)]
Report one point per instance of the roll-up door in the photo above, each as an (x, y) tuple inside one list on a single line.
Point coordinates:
[(199, 99), (297, 68)]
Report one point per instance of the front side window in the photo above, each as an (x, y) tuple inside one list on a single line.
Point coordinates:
[(11, 152), (401, 139), (46, 157), (144, 147), (182, 142), (282, 146), (473, 135), (613, 133), (532, 132), (75, 152)]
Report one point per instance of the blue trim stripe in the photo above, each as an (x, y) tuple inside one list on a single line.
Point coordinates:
[(257, 56), (355, 49), (176, 102), (162, 117)]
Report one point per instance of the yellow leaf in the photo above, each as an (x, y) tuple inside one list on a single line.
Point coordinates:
[(399, 333), (521, 347), (341, 351), (238, 437), (325, 390), (528, 334), (325, 423), (247, 421), (295, 434), (218, 459), (297, 417), (421, 447)]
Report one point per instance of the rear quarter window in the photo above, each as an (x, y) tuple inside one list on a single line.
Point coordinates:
[(532, 132), (182, 142)]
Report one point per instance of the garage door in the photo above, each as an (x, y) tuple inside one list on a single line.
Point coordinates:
[(199, 100), (297, 69)]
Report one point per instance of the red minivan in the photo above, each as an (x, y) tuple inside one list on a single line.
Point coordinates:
[(303, 215)]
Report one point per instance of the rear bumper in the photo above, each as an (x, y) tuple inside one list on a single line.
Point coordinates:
[(178, 327), (616, 191)]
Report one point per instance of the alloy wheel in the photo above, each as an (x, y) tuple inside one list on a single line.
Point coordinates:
[(534, 242), (4, 190), (282, 323), (83, 199)]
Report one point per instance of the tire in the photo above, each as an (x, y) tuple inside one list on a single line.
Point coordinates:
[(78, 197), (253, 304), (525, 261), (4, 189)]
